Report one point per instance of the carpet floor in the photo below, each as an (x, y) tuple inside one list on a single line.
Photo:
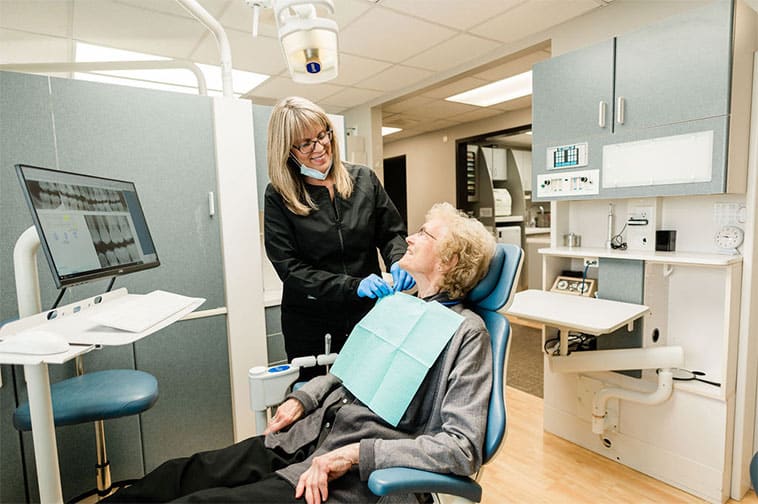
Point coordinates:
[(525, 362)]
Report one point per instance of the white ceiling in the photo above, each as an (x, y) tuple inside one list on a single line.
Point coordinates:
[(392, 52)]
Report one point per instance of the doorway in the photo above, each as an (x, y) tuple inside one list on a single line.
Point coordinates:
[(395, 184)]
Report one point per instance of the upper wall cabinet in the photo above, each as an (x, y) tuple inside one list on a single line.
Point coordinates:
[(653, 112), (572, 95), (674, 71)]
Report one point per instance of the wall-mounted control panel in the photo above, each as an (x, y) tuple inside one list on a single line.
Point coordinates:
[(567, 156), (576, 286), (575, 183)]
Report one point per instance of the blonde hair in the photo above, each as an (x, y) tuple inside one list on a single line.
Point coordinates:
[(291, 120), (467, 245)]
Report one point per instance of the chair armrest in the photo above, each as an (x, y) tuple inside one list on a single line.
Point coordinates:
[(404, 480)]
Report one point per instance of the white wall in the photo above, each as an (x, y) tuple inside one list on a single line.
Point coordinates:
[(241, 253), (366, 122)]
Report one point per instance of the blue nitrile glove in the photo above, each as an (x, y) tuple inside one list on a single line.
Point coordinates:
[(401, 278), (373, 287)]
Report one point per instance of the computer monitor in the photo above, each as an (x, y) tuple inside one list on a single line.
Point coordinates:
[(89, 227)]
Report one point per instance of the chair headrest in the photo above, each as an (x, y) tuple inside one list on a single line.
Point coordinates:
[(495, 290)]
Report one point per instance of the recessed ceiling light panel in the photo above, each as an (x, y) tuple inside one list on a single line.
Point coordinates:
[(496, 92)]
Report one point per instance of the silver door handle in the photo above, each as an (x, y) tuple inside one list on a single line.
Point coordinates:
[(602, 106), (620, 110)]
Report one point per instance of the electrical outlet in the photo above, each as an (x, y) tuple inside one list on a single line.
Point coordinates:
[(592, 263), (640, 230)]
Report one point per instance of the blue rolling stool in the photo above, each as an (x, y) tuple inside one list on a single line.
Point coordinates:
[(95, 397)]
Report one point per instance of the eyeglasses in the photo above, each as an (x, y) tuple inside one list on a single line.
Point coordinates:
[(307, 147), (424, 233)]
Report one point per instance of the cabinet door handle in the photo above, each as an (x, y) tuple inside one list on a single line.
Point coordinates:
[(620, 110), (601, 114)]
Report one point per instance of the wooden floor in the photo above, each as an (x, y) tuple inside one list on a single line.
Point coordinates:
[(535, 467)]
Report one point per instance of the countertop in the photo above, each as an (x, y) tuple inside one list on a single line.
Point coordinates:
[(536, 230)]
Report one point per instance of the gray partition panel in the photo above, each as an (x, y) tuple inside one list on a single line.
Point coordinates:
[(190, 361), (261, 114), (11, 477), (25, 136), (164, 143), (622, 280)]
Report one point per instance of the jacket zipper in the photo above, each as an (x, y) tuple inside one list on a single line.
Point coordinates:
[(338, 218)]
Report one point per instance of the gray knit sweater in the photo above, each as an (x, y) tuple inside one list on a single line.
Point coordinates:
[(442, 430)]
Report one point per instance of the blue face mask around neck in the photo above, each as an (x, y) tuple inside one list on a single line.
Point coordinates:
[(310, 172)]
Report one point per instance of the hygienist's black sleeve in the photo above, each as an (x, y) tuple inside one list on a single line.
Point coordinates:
[(296, 274), (390, 230)]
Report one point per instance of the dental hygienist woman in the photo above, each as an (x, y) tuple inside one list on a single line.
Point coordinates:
[(324, 220)]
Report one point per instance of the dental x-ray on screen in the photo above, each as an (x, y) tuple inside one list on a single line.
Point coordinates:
[(89, 227)]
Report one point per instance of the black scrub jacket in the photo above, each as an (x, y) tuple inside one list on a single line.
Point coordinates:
[(322, 257)]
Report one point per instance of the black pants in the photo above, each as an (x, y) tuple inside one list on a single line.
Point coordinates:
[(304, 335), (242, 472)]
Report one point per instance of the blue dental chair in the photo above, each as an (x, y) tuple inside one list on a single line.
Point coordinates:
[(494, 292)]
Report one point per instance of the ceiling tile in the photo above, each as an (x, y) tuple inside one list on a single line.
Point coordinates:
[(512, 67), (214, 7), (518, 103), (394, 78), (22, 47), (353, 69), (347, 11), (476, 115), (455, 87), (126, 27), (350, 97), (452, 53), (402, 121), (239, 16), (43, 17), (260, 54), (403, 105), (436, 124), (371, 36), (450, 13), (532, 17), (441, 109), (277, 88)]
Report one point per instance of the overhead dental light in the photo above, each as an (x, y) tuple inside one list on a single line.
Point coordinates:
[(309, 41)]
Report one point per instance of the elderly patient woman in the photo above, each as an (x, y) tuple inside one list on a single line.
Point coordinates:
[(323, 442)]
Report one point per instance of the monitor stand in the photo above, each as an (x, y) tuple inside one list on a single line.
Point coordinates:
[(37, 377)]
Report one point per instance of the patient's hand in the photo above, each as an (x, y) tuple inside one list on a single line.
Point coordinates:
[(286, 414), (325, 468)]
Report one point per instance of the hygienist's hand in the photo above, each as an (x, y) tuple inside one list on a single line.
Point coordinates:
[(373, 286), (401, 279), (314, 483), (287, 413)]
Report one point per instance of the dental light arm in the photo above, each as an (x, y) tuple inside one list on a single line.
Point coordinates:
[(225, 50)]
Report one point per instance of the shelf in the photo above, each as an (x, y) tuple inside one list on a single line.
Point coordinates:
[(509, 218), (691, 258)]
